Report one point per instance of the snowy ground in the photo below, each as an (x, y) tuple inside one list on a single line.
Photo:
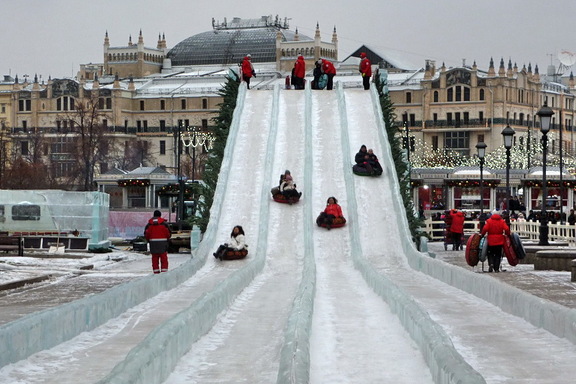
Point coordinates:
[(355, 337)]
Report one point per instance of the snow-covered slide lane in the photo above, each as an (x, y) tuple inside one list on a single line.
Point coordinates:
[(96, 353), (246, 343), (501, 347), (355, 337)]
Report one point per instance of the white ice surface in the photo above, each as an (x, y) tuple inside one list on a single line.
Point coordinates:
[(355, 336)]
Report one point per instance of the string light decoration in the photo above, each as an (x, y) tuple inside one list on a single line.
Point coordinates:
[(173, 189), (472, 183), (193, 137), (424, 156), (134, 183)]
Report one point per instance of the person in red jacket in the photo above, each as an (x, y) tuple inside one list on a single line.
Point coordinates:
[(299, 72), (247, 70), (365, 69), (496, 228), (157, 233), (457, 228), (332, 211), (329, 69)]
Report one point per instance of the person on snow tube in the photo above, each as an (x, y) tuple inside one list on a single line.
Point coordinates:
[(332, 212), (237, 242)]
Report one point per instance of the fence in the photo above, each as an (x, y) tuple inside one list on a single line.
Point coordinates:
[(529, 230)]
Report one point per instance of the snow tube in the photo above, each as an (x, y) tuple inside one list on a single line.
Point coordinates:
[(473, 250), (337, 223), (361, 171), (509, 251), (280, 198), (234, 255), (483, 255), (517, 245)]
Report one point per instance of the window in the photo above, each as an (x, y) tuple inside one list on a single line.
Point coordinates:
[(408, 97), (434, 142), (162, 147), (108, 103), (204, 103), (26, 212), (24, 125), (162, 125), (435, 96), (481, 94), (412, 119), (450, 95), (457, 141), (183, 103), (145, 123), (3, 108), (24, 149), (64, 103), (204, 124), (466, 118), (458, 93), (466, 94), (104, 123), (449, 118), (141, 105), (435, 118), (481, 117), (138, 126), (162, 105), (24, 105)]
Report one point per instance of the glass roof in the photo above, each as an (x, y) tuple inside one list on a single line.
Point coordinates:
[(230, 46)]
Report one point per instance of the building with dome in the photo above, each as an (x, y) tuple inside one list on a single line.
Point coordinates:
[(267, 39)]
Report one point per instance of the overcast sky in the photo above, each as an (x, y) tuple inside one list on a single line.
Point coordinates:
[(53, 37)]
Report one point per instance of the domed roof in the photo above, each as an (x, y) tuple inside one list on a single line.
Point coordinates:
[(228, 46)]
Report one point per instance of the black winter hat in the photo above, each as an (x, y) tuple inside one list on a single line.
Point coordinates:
[(157, 213)]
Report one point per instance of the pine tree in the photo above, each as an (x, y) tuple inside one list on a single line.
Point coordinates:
[(400, 163), (221, 129)]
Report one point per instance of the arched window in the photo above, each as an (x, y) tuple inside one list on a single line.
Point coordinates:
[(435, 96), (481, 94)]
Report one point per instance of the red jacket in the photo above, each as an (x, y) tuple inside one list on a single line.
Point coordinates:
[(247, 68), (300, 67), (328, 67), (333, 209), (366, 67), (457, 225), (157, 229), (495, 227)]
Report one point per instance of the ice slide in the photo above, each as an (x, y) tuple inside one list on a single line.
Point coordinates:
[(298, 306)]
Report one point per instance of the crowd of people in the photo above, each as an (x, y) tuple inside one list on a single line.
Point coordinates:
[(323, 73)]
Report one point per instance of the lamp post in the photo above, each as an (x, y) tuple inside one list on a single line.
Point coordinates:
[(481, 148), (545, 113), (508, 134), (407, 140)]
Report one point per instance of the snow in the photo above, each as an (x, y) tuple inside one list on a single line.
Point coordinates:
[(352, 305)]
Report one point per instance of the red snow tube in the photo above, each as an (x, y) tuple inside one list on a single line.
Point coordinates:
[(234, 255), (280, 198), (337, 223)]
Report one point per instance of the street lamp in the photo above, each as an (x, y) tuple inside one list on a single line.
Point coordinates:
[(481, 148), (545, 113), (508, 134)]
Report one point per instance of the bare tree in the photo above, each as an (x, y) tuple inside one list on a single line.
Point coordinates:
[(90, 145)]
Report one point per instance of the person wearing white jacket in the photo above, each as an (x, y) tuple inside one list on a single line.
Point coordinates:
[(237, 242)]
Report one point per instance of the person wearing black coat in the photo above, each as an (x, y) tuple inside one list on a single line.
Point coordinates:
[(362, 158)]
